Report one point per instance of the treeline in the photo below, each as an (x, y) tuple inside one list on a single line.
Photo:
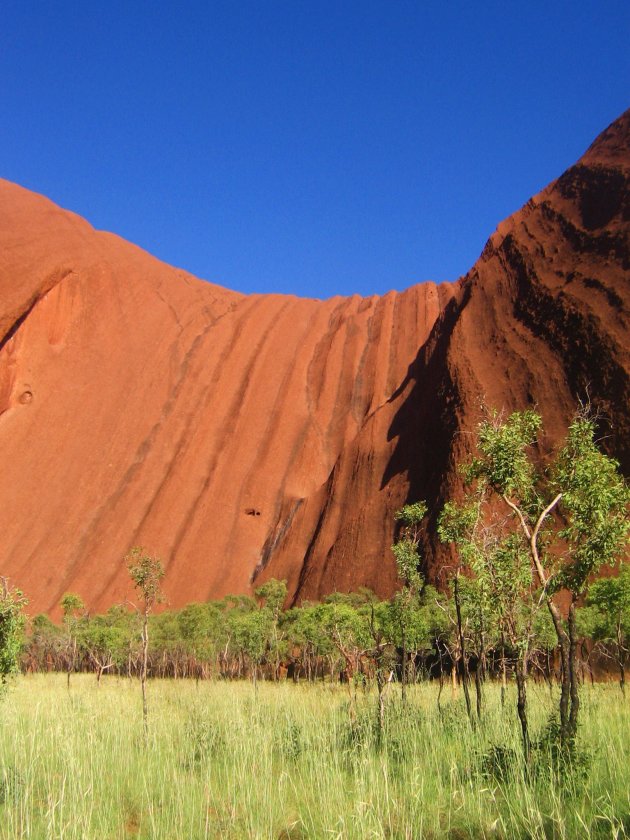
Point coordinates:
[(349, 637)]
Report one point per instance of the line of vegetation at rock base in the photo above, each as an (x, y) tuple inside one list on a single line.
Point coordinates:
[(526, 527)]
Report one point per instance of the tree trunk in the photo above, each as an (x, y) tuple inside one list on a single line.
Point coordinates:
[(521, 705), (143, 673), (478, 689), (621, 659), (403, 675), (380, 685), (586, 664), (549, 672), (563, 638), (573, 674), (565, 656), (462, 649), (503, 673)]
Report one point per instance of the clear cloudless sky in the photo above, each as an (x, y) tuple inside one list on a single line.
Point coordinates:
[(316, 148)]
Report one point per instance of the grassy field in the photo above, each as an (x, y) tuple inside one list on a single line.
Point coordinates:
[(286, 763)]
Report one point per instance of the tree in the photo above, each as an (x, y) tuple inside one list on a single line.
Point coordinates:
[(146, 572), (202, 629), (609, 616), (104, 639), (501, 593), (570, 510), (305, 632), (435, 623), (381, 654), (43, 644), (457, 524), (342, 619), (251, 633), (273, 594), (408, 560), (12, 603), (72, 606)]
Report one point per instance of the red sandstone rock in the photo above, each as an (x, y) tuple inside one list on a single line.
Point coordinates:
[(243, 437)]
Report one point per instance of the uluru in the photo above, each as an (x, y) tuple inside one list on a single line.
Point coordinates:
[(241, 437)]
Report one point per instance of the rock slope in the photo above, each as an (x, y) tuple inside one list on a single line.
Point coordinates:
[(242, 437)]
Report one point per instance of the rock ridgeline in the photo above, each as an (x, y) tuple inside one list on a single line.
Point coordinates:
[(246, 437)]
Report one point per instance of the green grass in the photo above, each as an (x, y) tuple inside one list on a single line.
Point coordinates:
[(223, 763)]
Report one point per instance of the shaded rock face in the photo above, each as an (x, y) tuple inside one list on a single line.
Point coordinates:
[(247, 437)]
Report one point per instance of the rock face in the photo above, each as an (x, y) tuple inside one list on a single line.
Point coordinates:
[(246, 437)]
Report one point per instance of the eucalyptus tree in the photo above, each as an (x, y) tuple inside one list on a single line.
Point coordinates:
[(501, 594), (238, 650), (44, 644), (608, 610), (405, 603), (456, 524), (72, 607), (104, 640), (436, 629), (272, 596), (570, 509), (378, 614), (12, 603), (343, 618), (146, 572), (203, 632), (252, 630), (309, 644)]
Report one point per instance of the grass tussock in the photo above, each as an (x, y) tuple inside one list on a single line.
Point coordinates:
[(288, 762)]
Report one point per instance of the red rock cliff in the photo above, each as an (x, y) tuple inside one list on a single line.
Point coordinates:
[(243, 437)]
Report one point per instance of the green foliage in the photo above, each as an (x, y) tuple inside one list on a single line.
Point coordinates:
[(412, 514), (544, 633), (457, 524), (610, 600), (595, 501), (503, 445), (407, 559), (305, 630), (146, 572), (564, 520), (606, 617), (105, 638), (12, 603), (433, 604), (273, 594), (581, 484), (408, 616), (405, 550), (71, 605), (202, 629), (497, 603), (251, 632), (347, 626)]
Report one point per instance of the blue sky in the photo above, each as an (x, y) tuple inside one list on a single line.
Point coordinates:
[(315, 148)]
